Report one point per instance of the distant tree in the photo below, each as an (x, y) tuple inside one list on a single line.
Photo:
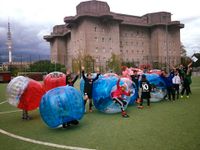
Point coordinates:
[(183, 51), (14, 70), (46, 66), (88, 63), (185, 60), (114, 63), (128, 64)]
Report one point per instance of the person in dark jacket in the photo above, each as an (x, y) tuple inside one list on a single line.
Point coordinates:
[(145, 91), (135, 78), (88, 87), (169, 84), (70, 82), (186, 83)]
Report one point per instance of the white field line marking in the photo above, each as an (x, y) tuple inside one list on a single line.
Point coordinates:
[(42, 143), (3, 102), (8, 112)]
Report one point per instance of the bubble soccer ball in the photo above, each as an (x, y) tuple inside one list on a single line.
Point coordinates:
[(24, 93), (61, 105), (131, 86), (158, 87), (53, 80), (102, 90)]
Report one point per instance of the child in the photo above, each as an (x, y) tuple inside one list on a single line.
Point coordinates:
[(117, 97), (70, 82), (169, 84), (88, 87), (176, 80), (145, 91)]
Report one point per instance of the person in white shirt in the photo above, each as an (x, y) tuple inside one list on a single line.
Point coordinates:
[(176, 80)]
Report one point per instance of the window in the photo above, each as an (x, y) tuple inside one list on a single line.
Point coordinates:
[(95, 29), (102, 39)]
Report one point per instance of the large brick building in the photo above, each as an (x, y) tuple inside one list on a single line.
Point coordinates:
[(95, 30)]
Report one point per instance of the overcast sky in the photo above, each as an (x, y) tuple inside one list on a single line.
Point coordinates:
[(32, 19)]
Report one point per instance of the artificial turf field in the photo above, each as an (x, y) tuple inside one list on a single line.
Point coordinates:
[(164, 126)]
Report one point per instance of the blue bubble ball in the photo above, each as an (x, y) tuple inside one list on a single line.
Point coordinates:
[(102, 90), (159, 89), (61, 105)]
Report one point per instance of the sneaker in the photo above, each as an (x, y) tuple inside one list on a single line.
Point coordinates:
[(187, 97), (74, 122), (90, 110), (26, 118), (140, 107), (125, 116), (66, 125), (181, 96)]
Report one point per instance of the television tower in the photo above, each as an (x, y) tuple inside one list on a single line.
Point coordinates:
[(9, 43)]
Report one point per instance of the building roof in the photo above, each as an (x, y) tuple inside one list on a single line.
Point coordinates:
[(101, 10)]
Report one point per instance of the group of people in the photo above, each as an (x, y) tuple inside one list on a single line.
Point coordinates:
[(180, 76), (117, 94)]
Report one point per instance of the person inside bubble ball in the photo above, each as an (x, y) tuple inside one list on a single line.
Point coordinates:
[(88, 87), (70, 82), (117, 96)]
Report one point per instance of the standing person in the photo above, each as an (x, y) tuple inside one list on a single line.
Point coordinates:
[(135, 78), (117, 96), (88, 87), (176, 80), (186, 83), (145, 91), (169, 85), (70, 82), (189, 75)]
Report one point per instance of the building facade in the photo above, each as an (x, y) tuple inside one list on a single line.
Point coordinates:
[(98, 32)]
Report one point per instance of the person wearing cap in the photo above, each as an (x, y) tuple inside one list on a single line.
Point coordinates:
[(145, 91), (117, 96)]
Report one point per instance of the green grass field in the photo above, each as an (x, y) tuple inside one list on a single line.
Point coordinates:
[(165, 126)]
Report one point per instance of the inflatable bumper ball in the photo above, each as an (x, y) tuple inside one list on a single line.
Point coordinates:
[(25, 93), (53, 80), (61, 105), (102, 90), (159, 89), (131, 86)]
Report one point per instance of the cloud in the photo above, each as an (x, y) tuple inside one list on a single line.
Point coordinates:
[(25, 37)]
